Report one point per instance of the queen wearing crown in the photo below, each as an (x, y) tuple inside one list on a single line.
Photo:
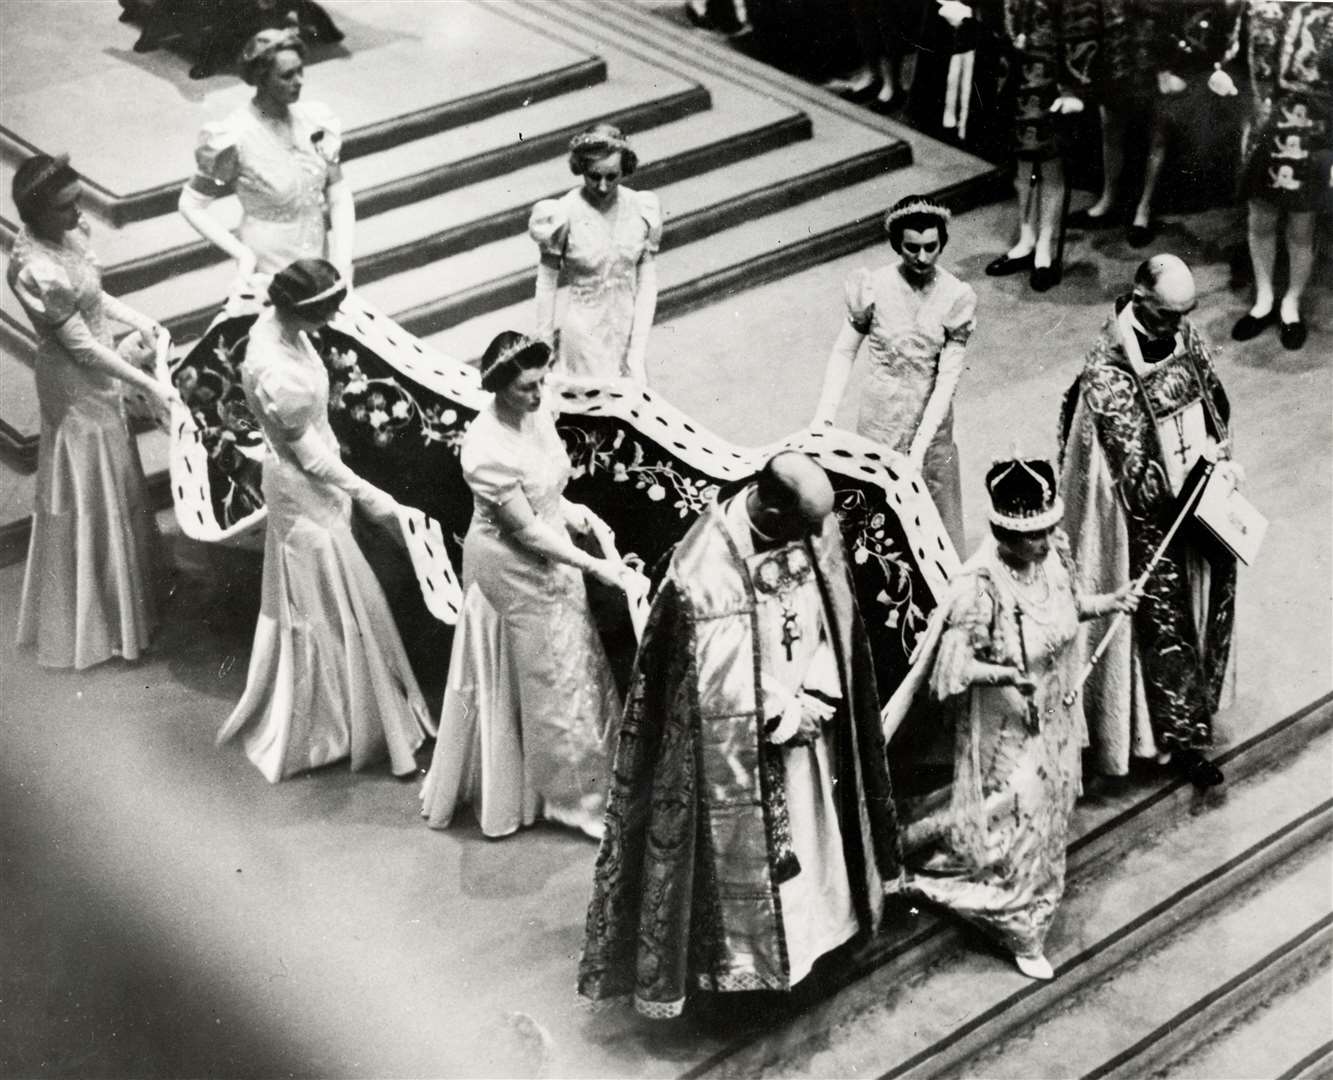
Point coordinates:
[(996, 656), (917, 318)]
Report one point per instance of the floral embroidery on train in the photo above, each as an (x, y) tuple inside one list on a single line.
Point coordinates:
[(209, 382), (590, 451), (385, 408), (868, 538), (368, 409)]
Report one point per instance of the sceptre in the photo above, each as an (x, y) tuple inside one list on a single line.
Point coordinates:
[(1140, 582)]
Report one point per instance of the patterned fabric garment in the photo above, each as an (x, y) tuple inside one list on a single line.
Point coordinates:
[(86, 591), (279, 179), (328, 676), (907, 330), (1286, 146), (1001, 860), (1111, 441), (1089, 48), (690, 889), (530, 705), (599, 260)]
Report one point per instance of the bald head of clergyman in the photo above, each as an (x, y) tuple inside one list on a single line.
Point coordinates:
[(791, 496), (1163, 294)]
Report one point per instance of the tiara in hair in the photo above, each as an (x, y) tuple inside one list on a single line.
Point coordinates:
[(267, 41), (338, 286), (918, 206), (589, 140), (43, 176), (522, 344)]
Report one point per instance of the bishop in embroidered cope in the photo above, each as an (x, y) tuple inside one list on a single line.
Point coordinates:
[(750, 826)]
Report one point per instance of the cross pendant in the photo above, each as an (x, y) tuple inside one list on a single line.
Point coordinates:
[(1184, 450), (791, 632)]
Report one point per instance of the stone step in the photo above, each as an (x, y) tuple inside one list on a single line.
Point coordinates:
[(433, 68), (19, 418), (1275, 1019), (755, 247), (438, 225), (937, 999), (738, 201), (1242, 946), (405, 174)]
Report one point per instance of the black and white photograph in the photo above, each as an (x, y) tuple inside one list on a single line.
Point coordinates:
[(666, 539)]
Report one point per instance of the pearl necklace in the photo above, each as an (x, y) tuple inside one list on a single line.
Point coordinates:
[(1026, 585)]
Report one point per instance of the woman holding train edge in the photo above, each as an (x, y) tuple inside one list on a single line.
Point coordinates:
[(918, 319), (530, 706)]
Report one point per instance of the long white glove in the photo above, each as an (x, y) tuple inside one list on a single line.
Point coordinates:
[(82, 345), (319, 461), (582, 520), (193, 206), (937, 406), (342, 232), (548, 282), (128, 316), (839, 370), (645, 308)]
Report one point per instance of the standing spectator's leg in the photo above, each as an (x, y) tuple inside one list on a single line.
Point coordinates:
[(1113, 161), (1140, 232), (1050, 212), (1300, 263), (1263, 254)]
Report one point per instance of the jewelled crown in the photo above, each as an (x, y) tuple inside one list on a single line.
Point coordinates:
[(1022, 495)]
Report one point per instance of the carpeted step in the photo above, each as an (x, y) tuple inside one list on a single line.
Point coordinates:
[(165, 248), (406, 70), (477, 213), (20, 418), (1204, 978), (745, 201), (939, 999), (754, 248), (1274, 1019)]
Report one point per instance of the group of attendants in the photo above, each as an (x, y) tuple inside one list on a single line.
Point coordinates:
[(1009, 78), (739, 789)]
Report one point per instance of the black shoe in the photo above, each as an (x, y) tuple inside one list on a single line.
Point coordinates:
[(1197, 769), (1081, 219), (865, 95), (1140, 236), (1293, 334), (1044, 278), (1251, 326), (887, 108), (1004, 266)]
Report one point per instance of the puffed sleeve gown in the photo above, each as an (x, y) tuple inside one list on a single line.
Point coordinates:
[(530, 708), (87, 593), (328, 676), (599, 264)]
